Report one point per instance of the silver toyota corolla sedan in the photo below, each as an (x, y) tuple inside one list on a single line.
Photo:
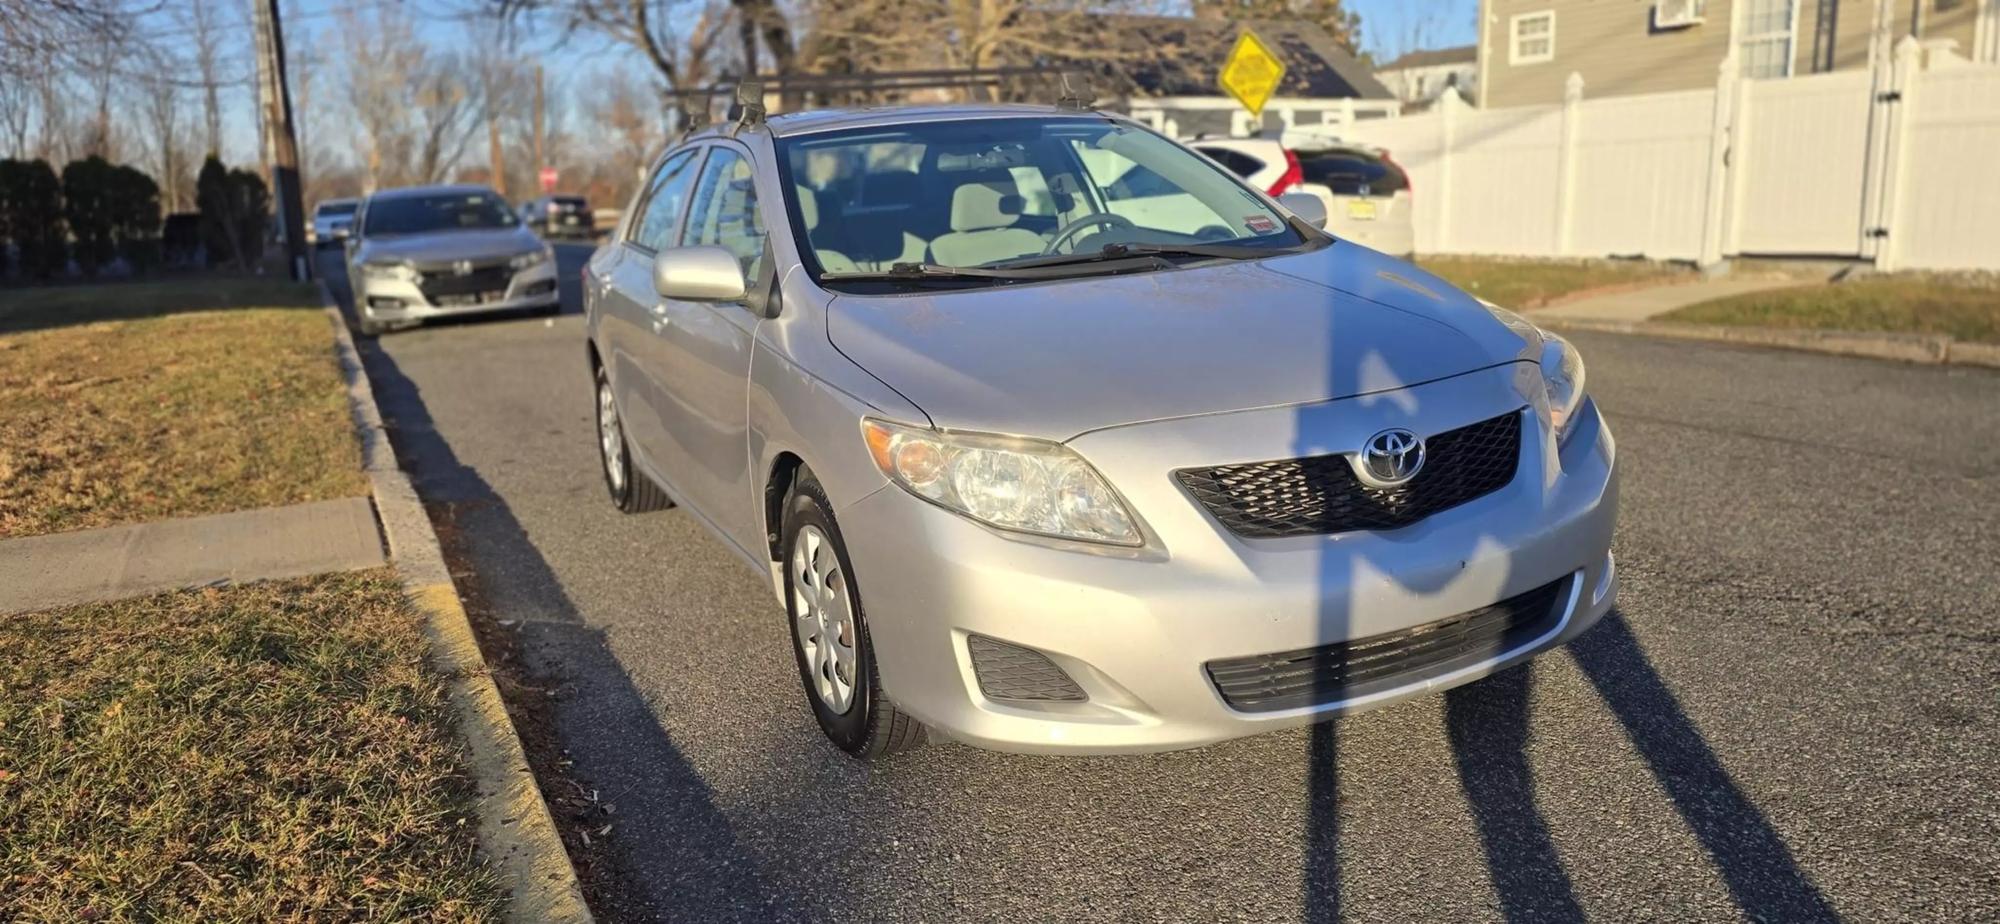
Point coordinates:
[(1054, 436), (433, 251)]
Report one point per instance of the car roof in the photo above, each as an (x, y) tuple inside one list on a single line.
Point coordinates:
[(323, 203), (406, 192)]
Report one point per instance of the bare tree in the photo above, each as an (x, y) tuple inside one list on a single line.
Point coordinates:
[(17, 116), (159, 104), (34, 33), (445, 106), (502, 83), (624, 116), (204, 22), (382, 61), (682, 39)]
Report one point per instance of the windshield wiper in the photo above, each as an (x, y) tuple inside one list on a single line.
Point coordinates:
[(1153, 251), (917, 272)]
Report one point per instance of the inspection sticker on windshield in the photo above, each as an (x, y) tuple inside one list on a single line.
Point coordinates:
[(1260, 224)]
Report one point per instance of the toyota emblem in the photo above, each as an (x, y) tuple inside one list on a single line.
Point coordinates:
[(462, 267), (1390, 458)]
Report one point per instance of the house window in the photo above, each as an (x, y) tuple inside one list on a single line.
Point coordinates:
[(1534, 38), (1766, 44)]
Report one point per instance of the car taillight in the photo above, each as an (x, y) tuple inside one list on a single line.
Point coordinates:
[(1293, 175), (1409, 186)]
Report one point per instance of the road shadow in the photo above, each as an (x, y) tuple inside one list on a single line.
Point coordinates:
[(1755, 863), (1488, 721), (591, 737)]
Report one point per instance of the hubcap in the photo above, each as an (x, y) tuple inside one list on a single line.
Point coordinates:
[(825, 614), (610, 439)]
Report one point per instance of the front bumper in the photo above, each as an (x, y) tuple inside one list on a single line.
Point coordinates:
[(401, 299), (1135, 629)]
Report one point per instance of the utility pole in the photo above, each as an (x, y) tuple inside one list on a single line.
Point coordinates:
[(275, 95), (539, 162)]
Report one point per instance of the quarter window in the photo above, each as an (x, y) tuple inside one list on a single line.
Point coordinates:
[(1533, 38), (655, 225), (725, 211)]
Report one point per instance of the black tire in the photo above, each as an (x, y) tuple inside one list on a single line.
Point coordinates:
[(631, 492), (872, 728)]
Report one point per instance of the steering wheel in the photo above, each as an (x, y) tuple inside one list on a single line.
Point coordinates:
[(1091, 220)]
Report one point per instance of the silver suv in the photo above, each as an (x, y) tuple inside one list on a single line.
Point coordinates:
[(1052, 435)]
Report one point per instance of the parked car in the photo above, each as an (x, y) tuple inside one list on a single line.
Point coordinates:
[(331, 220), (559, 216), (1053, 436), (433, 251), (1367, 195)]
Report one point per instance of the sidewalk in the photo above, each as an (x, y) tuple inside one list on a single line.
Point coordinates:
[(1645, 304), (85, 566)]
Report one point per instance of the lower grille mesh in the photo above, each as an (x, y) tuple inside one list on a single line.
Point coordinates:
[(1010, 672), (1343, 670)]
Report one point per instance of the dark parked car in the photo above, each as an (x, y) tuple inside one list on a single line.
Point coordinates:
[(558, 216)]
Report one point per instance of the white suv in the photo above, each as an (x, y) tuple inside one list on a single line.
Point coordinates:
[(1367, 195)]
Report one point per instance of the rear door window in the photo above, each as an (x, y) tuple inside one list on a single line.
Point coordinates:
[(1353, 173)]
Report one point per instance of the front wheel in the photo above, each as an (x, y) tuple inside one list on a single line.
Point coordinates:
[(630, 491), (830, 634)]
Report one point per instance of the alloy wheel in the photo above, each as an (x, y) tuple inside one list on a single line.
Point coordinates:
[(610, 437)]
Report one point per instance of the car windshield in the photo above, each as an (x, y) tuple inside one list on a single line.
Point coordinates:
[(420, 214), (337, 208), (990, 192)]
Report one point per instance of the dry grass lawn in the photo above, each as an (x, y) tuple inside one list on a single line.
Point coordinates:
[(1895, 304), (275, 751), (123, 403), (1525, 284)]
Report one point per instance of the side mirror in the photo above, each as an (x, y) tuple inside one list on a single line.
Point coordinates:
[(698, 274), (1307, 206)]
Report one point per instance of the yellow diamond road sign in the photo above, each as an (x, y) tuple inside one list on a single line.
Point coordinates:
[(1252, 72)]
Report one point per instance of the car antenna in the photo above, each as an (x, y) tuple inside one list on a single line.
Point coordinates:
[(749, 108), (1075, 92)]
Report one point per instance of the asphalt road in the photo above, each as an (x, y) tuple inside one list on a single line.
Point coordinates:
[(1793, 716)]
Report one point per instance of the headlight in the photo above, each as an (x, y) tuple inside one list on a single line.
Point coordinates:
[(531, 258), (1562, 374), (1562, 369), (384, 269), (1031, 486)]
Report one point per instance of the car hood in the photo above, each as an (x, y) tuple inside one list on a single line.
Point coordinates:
[(448, 246), (1061, 359)]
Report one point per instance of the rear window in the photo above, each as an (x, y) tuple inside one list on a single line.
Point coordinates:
[(568, 202), (1353, 173), (337, 208), (1239, 163)]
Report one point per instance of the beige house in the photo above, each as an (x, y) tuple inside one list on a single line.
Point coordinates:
[(1528, 48)]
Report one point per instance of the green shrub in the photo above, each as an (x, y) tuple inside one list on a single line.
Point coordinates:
[(31, 216), (87, 190), (135, 217), (235, 207)]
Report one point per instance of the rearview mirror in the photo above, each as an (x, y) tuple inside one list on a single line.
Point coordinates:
[(1307, 207), (698, 274)]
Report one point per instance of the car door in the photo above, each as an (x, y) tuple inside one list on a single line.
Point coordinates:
[(628, 308), (704, 352)]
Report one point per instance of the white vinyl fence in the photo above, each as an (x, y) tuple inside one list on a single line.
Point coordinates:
[(1900, 166)]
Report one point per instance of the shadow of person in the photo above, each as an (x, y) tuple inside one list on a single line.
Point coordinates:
[(1488, 726), (1753, 859)]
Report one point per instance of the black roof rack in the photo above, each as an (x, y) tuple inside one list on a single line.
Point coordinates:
[(1075, 92), (748, 109)]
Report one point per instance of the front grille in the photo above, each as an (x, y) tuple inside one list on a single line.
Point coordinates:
[(1344, 670), (1010, 672), (446, 283), (1319, 494)]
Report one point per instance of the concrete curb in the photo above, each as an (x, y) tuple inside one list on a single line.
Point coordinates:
[(1929, 349), (515, 829)]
